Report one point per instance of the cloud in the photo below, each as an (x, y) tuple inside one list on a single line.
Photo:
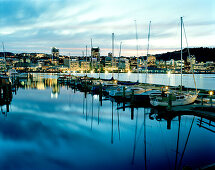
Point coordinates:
[(38, 25)]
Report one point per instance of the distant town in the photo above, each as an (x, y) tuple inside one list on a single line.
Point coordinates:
[(94, 63)]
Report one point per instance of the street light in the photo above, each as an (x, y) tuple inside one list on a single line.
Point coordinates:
[(211, 94)]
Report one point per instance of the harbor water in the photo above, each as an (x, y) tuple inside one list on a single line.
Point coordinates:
[(52, 126), (203, 81)]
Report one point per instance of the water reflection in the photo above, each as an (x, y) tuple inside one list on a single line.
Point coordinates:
[(78, 130)]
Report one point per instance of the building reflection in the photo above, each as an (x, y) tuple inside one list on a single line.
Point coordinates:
[(40, 83), (5, 95)]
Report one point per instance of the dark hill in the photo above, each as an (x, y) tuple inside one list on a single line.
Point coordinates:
[(201, 54)]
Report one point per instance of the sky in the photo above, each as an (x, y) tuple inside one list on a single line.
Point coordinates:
[(39, 25)]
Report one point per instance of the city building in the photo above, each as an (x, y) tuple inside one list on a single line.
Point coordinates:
[(85, 65), (55, 52), (95, 57), (124, 65), (151, 61)]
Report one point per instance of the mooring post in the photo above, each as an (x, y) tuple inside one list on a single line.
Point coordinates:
[(211, 101), (170, 102), (123, 92), (202, 101)]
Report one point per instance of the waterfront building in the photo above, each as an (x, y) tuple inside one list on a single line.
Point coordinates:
[(170, 64), (95, 51), (161, 64), (200, 66), (72, 64), (210, 65), (85, 65), (133, 63), (2, 64), (108, 62), (95, 57), (178, 64), (123, 65), (151, 61)]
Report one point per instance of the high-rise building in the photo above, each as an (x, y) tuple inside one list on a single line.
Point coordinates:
[(95, 57), (95, 52), (55, 52)]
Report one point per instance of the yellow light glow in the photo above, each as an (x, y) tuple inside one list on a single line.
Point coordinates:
[(166, 87), (92, 72), (129, 72), (81, 71), (211, 93), (115, 81), (169, 73), (106, 72), (73, 71)]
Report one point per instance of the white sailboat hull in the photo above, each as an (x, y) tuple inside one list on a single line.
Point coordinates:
[(188, 99)]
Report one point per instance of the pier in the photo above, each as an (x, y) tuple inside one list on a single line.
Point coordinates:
[(203, 106)]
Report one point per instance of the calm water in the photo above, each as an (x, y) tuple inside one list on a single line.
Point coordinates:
[(53, 127), (203, 81)]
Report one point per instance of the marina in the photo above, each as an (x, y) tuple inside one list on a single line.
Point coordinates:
[(106, 85)]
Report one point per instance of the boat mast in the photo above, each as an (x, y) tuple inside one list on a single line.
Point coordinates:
[(147, 51), (4, 55), (120, 48), (86, 61), (137, 50), (91, 54), (189, 56), (112, 52), (181, 50), (69, 65)]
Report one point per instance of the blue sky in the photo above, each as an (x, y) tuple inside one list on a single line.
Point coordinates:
[(38, 25)]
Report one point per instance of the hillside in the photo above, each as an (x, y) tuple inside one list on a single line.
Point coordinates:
[(201, 54)]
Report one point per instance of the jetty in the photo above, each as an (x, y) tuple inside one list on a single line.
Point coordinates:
[(203, 106)]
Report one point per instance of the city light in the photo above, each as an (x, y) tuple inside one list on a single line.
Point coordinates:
[(106, 72), (166, 87), (73, 71), (91, 71), (129, 72), (211, 93), (169, 73), (81, 71)]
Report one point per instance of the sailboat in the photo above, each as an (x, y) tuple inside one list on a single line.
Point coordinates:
[(175, 98)]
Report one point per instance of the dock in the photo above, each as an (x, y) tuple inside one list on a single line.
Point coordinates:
[(203, 106)]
